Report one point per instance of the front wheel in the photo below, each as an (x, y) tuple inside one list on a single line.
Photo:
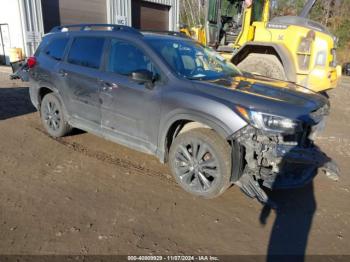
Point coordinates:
[(200, 161), (264, 65)]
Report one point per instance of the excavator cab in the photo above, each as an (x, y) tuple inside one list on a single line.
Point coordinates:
[(222, 15), (229, 19), (291, 48)]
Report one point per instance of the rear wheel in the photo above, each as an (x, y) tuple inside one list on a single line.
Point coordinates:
[(200, 161), (263, 64), (52, 116)]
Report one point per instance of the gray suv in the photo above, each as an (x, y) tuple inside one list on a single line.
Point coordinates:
[(168, 96)]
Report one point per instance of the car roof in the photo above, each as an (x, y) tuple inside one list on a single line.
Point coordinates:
[(85, 29)]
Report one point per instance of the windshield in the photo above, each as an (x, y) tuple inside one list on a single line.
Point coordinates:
[(257, 10), (230, 9), (285, 8), (193, 61)]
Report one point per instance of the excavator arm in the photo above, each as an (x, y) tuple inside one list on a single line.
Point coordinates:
[(307, 8)]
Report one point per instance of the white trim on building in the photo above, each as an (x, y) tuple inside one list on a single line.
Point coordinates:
[(32, 24)]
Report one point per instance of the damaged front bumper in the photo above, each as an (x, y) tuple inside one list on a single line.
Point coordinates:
[(275, 161)]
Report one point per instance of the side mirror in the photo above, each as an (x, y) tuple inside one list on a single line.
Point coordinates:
[(142, 76)]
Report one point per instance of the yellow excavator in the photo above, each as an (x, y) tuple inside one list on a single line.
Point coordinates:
[(291, 48)]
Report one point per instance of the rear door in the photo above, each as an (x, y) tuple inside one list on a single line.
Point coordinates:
[(49, 56), (80, 77), (130, 109)]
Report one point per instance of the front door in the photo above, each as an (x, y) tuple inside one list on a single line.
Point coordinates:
[(80, 75), (129, 108)]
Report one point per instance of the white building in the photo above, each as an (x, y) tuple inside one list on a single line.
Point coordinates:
[(24, 22)]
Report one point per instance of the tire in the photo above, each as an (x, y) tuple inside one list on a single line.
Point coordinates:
[(52, 116), (263, 64), (209, 174)]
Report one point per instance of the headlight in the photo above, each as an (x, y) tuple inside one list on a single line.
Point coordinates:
[(270, 122), (321, 58), (305, 45), (305, 50)]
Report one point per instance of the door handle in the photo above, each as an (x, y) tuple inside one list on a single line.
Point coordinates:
[(107, 86), (62, 73)]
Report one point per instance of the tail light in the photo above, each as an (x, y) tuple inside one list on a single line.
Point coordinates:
[(334, 54), (31, 62)]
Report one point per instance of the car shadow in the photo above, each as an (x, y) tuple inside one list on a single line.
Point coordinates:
[(290, 231), (295, 207), (15, 101)]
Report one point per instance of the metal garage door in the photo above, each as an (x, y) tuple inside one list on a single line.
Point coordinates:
[(150, 16), (62, 12)]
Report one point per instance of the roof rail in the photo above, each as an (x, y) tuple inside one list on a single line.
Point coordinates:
[(172, 33), (86, 27)]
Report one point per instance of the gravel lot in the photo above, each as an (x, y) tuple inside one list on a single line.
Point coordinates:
[(84, 195)]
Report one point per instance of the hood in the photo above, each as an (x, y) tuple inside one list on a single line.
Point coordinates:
[(266, 95), (300, 21)]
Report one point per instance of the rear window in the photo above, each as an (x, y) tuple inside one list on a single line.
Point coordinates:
[(86, 51), (56, 48)]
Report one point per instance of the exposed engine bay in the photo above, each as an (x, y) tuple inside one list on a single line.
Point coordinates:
[(276, 161)]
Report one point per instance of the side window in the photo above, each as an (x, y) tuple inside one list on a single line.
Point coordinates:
[(125, 58), (56, 48), (86, 51)]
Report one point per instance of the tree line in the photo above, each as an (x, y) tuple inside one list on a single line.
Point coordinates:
[(334, 14)]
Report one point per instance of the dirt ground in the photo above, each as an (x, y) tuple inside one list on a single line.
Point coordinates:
[(84, 195)]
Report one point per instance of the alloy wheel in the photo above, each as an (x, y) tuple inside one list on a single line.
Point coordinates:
[(196, 166), (52, 115)]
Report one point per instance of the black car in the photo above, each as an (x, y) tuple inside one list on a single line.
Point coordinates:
[(346, 69)]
